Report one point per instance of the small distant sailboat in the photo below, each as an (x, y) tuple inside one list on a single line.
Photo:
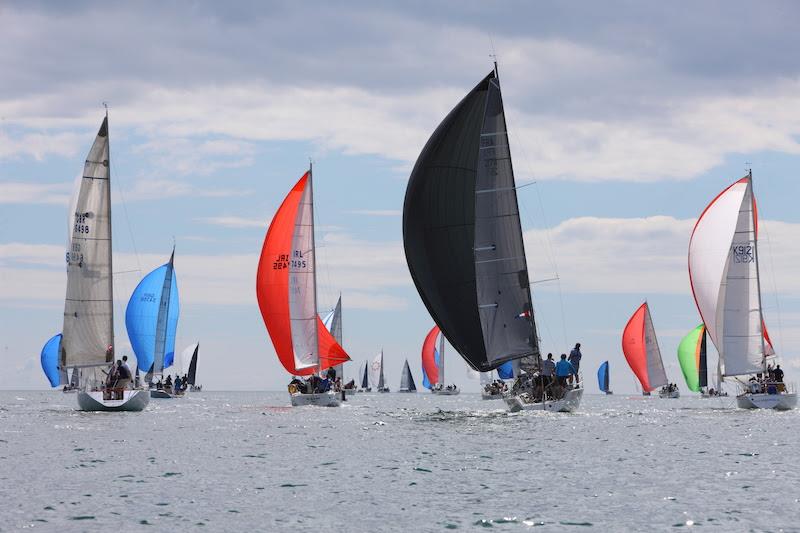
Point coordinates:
[(640, 346), (463, 242), (376, 378), (190, 354), (333, 323), (407, 380), (286, 288), (493, 383), (152, 322), (433, 364), (363, 378), (726, 283), (87, 339), (604, 378)]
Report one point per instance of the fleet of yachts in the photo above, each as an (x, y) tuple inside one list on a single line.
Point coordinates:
[(464, 248)]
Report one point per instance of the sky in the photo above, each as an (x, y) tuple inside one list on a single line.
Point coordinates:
[(626, 119)]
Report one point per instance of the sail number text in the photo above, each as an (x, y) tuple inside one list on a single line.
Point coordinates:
[(743, 253), (81, 224), (294, 260)]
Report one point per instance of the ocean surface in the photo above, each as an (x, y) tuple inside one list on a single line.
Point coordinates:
[(246, 461)]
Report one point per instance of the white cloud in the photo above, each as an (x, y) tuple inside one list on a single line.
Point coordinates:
[(34, 193), (184, 156), (235, 222), (39, 144), (646, 255)]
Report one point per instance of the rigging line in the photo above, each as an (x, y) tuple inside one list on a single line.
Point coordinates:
[(547, 231), (774, 285)]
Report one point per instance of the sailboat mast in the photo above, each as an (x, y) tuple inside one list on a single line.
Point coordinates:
[(758, 275), (314, 256), (110, 244)]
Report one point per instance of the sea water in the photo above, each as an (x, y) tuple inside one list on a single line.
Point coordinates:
[(235, 461)]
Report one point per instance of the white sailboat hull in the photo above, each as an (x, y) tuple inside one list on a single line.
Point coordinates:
[(779, 402), (489, 396), (568, 404), (446, 392), (160, 394), (673, 395), (321, 399), (406, 390), (132, 400)]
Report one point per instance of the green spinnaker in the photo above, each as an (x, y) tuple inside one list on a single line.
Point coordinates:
[(689, 357)]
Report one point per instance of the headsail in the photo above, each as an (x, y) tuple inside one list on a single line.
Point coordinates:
[(191, 375), (430, 361), (692, 357), (640, 346), (723, 272), (603, 377), (376, 378), (333, 323), (286, 287), (88, 333), (462, 234), (364, 376), (49, 360), (151, 318)]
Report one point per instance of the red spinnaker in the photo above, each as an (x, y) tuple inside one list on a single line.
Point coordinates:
[(633, 346), (429, 355), (272, 289)]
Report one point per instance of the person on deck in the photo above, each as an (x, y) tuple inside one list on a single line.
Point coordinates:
[(177, 384), (564, 370), (168, 383), (548, 369), (575, 357), (778, 373), (123, 379)]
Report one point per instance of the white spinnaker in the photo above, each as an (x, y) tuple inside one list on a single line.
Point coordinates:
[(302, 297), (655, 366), (88, 308), (185, 359), (376, 371), (723, 277)]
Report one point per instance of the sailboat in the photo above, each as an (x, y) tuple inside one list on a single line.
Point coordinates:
[(464, 248), (407, 380), (726, 283), (603, 378), (363, 378), (152, 322), (333, 323), (190, 369), (88, 334), (693, 360), (286, 288), (376, 377), (433, 364), (640, 346), (493, 382)]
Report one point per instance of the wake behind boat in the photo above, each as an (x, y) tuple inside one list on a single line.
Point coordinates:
[(463, 240), (286, 288), (87, 342)]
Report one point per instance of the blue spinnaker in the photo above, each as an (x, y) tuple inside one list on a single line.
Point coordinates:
[(602, 377), (50, 353), (506, 370), (152, 318)]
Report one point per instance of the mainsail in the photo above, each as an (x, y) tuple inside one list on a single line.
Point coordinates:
[(692, 357), (364, 376), (462, 234), (406, 379), (151, 318), (88, 332), (640, 346), (49, 360), (190, 354), (286, 287), (723, 272), (333, 323), (603, 377)]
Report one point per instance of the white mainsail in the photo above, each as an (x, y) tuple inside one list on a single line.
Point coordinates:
[(723, 270), (655, 366), (302, 284), (88, 332)]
